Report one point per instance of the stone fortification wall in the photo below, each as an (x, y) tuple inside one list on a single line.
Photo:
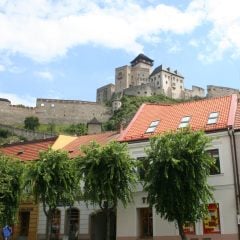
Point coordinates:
[(70, 111), (194, 92), (217, 91), (29, 135), (142, 90), (57, 111), (14, 114)]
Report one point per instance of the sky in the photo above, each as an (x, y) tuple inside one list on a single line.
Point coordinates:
[(66, 49)]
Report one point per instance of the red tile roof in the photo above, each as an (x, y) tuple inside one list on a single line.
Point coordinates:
[(28, 150), (171, 115), (73, 147)]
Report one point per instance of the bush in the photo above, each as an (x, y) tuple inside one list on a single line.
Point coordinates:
[(31, 123), (4, 133)]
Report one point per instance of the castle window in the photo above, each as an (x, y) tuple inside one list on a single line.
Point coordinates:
[(157, 83), (213, 117), (184, 122), (152, 126)]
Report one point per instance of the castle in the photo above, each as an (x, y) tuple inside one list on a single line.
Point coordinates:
[(139, 79)]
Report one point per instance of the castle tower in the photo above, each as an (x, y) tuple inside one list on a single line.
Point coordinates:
[(134, 75)]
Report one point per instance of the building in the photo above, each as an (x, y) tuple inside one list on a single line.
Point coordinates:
[(219, 118), (81, 216), (27, 227), (170, 82), (134, 75), (139, 79), (104, 93)]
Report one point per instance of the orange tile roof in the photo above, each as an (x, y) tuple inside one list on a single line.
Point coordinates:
[(28, 150), (73, 147), (171, 115)]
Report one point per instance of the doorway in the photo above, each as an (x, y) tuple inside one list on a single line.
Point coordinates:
[(24, 219)]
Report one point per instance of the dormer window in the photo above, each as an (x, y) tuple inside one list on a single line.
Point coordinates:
[(213, 117), (152, 126), (184, 122)]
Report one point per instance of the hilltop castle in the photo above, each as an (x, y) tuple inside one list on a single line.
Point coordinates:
[(139, 79)]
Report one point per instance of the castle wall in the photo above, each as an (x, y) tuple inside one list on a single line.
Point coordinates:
[(57, 111), (10, 114), (70, 111), (141, 90), (216, 91)]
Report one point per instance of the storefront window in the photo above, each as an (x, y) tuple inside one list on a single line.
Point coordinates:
[(211, 224)]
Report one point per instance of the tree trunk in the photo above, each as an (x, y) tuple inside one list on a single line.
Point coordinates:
[(108, 224), (181, 232)]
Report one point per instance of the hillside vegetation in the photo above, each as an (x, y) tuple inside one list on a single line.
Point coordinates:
[(130, 105)]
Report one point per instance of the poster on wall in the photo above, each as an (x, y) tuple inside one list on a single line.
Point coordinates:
[(211, 224), (189, 228)]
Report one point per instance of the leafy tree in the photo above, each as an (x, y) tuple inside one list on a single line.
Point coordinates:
[(76, 129), (51, 127), (108, 175), (4, 133), (11, 172), (31, 123), (176, 178), (130, 105), (54, 181)]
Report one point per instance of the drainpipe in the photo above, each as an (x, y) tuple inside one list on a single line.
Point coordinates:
[(235, 172)]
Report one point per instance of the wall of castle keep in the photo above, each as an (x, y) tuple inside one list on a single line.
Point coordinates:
[(57, 111)]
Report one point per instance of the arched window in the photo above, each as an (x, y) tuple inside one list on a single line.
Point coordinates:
[(72, 223), (54, 226)]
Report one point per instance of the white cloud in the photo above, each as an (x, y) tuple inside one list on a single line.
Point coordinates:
[(16, 99), (45, 75), (2, 68), (224, 34), (44, 29)]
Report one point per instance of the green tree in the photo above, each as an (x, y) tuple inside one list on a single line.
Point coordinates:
[(11, 172), (31, 123), (76, 129), (54, 181), (108, 175), (176, 177)]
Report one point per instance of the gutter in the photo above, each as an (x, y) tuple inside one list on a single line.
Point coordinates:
[(235, 172)]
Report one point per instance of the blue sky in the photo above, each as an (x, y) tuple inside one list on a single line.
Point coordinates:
[(68, 48)]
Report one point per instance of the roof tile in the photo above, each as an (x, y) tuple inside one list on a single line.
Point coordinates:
[(27, 151), (171, 115)]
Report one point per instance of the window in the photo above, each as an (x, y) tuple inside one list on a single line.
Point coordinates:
[(55, 223), (143, 164), (211, 223), (152, 126), (72, 221), (214, 153), (213, 117), (189, 228), (184, 122)]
